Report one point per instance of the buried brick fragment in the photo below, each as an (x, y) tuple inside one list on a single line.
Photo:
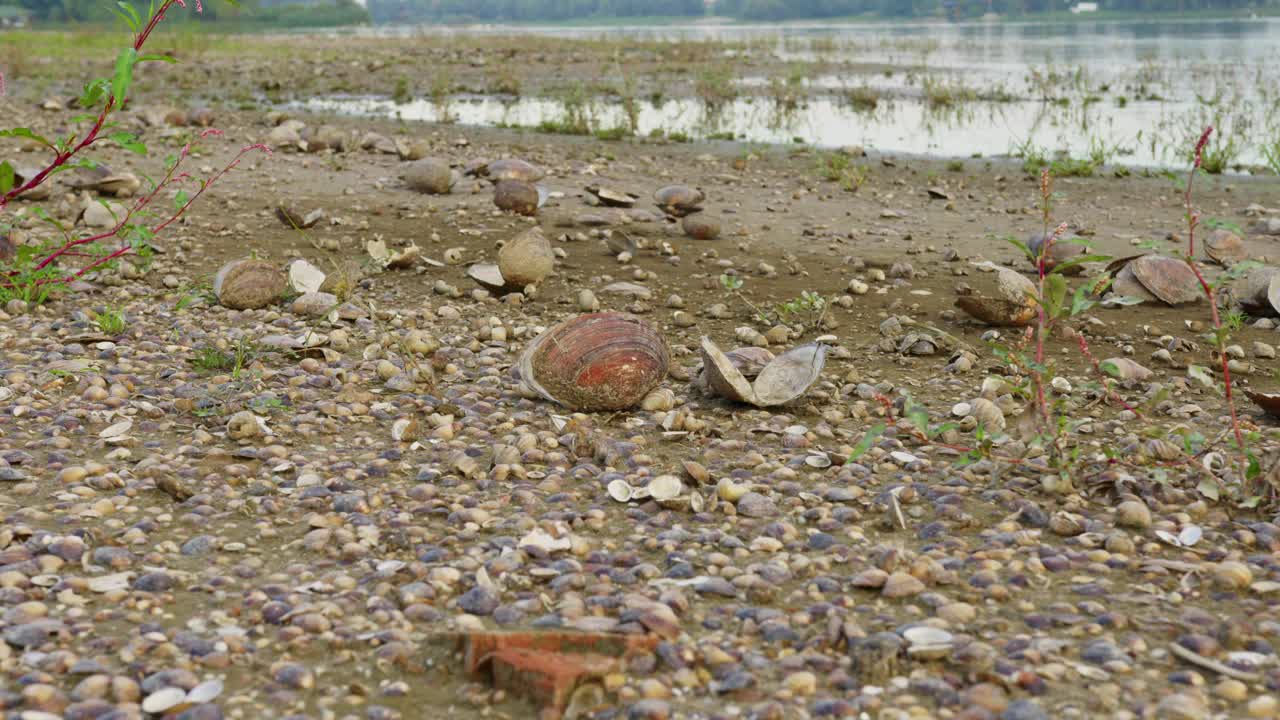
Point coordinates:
[(553, 670)]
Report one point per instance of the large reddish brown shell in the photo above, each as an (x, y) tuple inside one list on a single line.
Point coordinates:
[(516, 196), (1169, 279), (600, 361)]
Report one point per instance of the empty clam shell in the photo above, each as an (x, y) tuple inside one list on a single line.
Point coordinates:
[(782, 380), (928, 643), (1169, 279), (818, 460), (1013, 304), (601, 361), (1062, 250), (665, 487), (1259, 291), (488, 276), (205, 692), (620, 490), (1126, 284)]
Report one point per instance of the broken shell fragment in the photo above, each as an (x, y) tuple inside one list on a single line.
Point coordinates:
[(611, 197), (1013, 304), (527, 259), (293, 218), (488, 276), (248, 284), (600, 361), (928, 643), (782, 380), (1269, 402), (519, 197), (679, 200)]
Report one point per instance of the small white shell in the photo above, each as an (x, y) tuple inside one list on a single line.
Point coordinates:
[(619, 490), (665, 487), (164, 699), (818, 460), (728, 490), (205, 692)]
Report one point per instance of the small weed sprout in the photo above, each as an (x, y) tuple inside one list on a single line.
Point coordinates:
[(111, 322)]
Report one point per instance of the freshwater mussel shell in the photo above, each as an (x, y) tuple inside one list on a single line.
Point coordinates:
[(599, 361), (1225, 247), (519, 197), (1171, 280), (1269, 402), (488, 276), (679, 200), (514, 169), (1062, 250), (1014, 304), (1259, 291)]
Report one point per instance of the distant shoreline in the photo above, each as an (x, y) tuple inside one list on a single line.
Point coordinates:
[(247, 26)]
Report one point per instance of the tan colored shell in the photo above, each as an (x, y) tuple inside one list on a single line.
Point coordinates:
[(1126, 284), (201, 117), (988, 414), (665, 487), (514, 169), (1013, 304), (518, 197), (679, 200), (1225, 247), (600, 361), (701, 227), (1169, 279), (325, 137), (430, 176), (527, 259), (248, 284)]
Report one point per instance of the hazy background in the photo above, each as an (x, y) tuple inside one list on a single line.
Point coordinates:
[(329, 13)]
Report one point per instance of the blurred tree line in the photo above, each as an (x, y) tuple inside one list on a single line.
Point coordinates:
[(311, 13)]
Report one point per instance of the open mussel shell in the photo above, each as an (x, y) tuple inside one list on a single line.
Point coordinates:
[(1013, 304), (611, 197), (782, 380), (665, 487), (1225, 248), (600, 361), (1170, 280), (749, 361), (1269, 402), (679, 200), (620, 491)]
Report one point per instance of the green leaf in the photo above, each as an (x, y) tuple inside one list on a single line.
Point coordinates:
[(181, 199), (1208, 487), (1110, 367), (918, 416), (1079, 260), (125, 12), (26, 133), (1081, 302), (157, 58), (1201, 374), (1055, 294), (123, 77), (129, 142), (1021, 246), (868, 439), (6, 177)]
